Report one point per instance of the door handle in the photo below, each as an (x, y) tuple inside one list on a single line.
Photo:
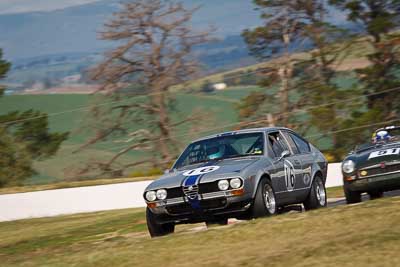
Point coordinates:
[(296, 162)]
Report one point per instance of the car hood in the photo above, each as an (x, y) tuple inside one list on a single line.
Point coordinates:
[(368, 157), (224, 168)]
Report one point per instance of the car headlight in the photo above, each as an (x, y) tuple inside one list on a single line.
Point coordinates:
[(161, 194), (151, 196), (348, 166), (235, 183), (223, 185)]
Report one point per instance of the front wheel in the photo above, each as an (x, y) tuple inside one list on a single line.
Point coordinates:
[(352, 197), (317, 196), (155, 228), (264, 202)]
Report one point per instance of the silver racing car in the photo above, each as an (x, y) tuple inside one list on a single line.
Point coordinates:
[(241, 174)]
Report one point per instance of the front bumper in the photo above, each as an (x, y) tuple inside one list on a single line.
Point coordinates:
[(379, 182), (180, 210)]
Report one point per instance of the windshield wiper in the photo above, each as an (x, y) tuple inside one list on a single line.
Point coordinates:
[(197, 162), (221, 158), (238, 156)]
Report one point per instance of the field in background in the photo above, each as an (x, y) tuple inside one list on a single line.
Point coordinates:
[(338, 236), (220, 108), (220, 104)]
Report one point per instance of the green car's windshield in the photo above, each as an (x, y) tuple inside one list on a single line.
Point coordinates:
[(222, 147), (387, 135)]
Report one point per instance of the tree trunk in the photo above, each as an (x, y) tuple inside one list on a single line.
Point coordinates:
[(271, 120), (285, 74), (164, 126)]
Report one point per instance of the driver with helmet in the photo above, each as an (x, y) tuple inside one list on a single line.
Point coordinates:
[(216, 152), (381, 136)]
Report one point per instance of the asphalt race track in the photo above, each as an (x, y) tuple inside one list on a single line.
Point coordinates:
[(341, 201)]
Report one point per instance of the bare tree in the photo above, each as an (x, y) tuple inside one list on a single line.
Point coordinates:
[(154, 42)]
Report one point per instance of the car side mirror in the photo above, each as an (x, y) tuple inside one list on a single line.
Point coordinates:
[(284, 155), (167, 171)]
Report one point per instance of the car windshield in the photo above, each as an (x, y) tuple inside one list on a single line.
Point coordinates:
[(394, 134), (386, 136), (222, 147)]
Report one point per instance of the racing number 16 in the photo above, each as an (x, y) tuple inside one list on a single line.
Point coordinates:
[(289, 177)]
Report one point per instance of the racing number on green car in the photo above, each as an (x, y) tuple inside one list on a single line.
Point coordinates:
[(387, 152), (289, 175)]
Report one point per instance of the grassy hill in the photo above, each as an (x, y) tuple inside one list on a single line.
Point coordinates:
[(338, 236), (221, 104)]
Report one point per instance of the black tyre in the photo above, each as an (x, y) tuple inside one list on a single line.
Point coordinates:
[(352, 197), (375, 194), (317, 196), (155, 228), (264, 203), (217, 222)]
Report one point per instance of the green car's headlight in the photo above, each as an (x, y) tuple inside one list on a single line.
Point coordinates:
[(348, 166)]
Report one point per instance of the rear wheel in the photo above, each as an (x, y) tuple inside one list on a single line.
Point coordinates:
[(317, 196), (264, 202), (155, 228), (351, 196), (375, 194), (217, 222)]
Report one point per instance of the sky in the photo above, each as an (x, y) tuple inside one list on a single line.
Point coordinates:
[(21, 6)]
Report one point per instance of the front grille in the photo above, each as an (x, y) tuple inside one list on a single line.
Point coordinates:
[(379, 170), (208, 188), (174, 192), (191, 191), (197, 189)]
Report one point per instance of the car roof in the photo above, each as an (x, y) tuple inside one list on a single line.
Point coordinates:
[(252, 130)]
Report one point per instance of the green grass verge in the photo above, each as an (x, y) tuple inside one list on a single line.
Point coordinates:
[(367, 234)]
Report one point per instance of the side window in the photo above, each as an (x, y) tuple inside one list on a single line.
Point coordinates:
[(291, 142), (303, 146), (277, 143)]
